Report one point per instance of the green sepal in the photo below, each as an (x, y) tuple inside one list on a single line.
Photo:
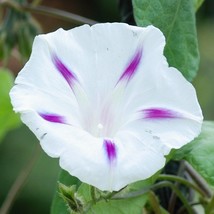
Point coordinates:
[(58, 204), (73, 201)]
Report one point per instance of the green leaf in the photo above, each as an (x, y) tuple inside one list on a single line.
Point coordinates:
[(201, 156), (176, 19), (179, 154), (8, 119), (120, 206), (133, 205), (58, 205)]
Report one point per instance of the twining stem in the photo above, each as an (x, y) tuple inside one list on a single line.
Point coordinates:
[(182, 181), (173, 197), (19, 183), (155, 187), (198, 180), (154, 203), (179, 194), (182, 209), (48, 11)]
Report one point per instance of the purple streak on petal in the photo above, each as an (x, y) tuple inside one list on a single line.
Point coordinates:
[(54, 118), (69, 75), (110, 150), (159, 113), (132, 66)]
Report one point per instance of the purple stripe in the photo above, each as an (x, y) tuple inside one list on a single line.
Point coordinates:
[(159, 113), (132, 66), (110, 150), (54, 118), (69, 76)]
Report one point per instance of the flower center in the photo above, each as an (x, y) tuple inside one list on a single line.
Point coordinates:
[(99, 130)]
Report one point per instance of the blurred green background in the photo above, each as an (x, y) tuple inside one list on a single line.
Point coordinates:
[(20, 145)]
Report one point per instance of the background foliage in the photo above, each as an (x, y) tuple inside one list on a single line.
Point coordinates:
[(19, 145)]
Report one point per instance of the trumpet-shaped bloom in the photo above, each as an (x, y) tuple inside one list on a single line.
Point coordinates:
[(104, 101)]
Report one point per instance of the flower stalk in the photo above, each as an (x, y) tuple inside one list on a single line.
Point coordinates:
[(48, 11), (182, 181)]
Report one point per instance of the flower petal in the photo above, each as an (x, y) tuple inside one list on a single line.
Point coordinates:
[(110, 149), (169, 117), (53, 118), (159, 113), (159, 100), (69, 76), (136, 157), (109, 134), (72, 145), (132, 66)]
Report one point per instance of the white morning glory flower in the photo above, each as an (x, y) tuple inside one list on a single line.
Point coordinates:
[(104, 101)]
